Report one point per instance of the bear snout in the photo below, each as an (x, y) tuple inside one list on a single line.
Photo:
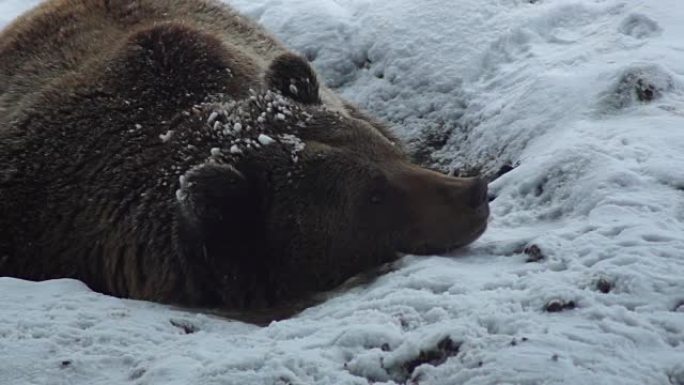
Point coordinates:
[(444, 212), (478, 193)]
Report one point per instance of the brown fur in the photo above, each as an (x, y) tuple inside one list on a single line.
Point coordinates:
[(88, 189)]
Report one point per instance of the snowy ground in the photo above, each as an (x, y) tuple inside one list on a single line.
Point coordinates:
[(552, 86)]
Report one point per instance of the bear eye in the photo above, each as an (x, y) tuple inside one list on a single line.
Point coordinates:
[(378, 191)]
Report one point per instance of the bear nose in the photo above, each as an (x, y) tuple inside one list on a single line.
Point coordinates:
[(477, 193)]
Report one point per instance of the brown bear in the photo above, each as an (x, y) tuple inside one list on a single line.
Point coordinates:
[(173, 151)]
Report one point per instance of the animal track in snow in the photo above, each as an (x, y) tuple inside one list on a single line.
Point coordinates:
[(640, 83), (639, 26)]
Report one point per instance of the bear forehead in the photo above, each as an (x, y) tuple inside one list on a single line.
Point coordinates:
[(236, 128), (229, 131)]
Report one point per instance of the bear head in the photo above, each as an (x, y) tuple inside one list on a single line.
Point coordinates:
[(295, 196)]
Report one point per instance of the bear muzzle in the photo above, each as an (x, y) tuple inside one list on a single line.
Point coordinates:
[(442, 212)]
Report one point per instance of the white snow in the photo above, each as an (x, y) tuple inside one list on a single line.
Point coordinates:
[(265, 140), (599, 188), (293, 89), (235, 149), (212, 117), (166, 136)]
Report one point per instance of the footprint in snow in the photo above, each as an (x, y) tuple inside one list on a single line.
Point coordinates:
[(639, 26), (558, 305), (604, 285), (186, 326), (641, 83)]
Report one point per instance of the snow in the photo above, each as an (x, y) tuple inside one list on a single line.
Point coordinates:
[(265, 140), (166, 136), (584, 97), (212, 117), (234, 149)]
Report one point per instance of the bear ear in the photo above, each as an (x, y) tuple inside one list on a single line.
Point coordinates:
[(212, 194), (292, 76)]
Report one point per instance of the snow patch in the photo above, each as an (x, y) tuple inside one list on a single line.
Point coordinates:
[(165, 137), (265, 139)]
